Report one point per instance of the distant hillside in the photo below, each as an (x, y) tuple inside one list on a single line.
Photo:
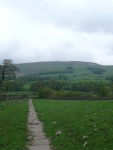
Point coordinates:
[(82, 70), (36, 67)]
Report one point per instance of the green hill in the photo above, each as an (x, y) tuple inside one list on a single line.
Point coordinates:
[(72, 69), (36, 67)]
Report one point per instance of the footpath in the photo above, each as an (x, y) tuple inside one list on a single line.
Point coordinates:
[(37, 139)]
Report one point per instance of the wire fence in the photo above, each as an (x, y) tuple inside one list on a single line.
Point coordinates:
[(12, 99)]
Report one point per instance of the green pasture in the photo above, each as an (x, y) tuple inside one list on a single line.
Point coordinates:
[(84, 125), (26, 87), (13, 126)]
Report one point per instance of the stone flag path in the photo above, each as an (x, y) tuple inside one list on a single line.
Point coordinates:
[(37, 139)]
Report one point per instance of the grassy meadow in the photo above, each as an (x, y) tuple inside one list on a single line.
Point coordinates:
[(83, 125), (13, 126)]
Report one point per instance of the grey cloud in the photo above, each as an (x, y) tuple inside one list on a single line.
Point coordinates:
[(57, 30), (69, 45), (109, 52), (68, 52), (95, 16), (18, 52)]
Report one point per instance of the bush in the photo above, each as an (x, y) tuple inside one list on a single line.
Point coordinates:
[(104, 91), (64, 94), (45, 93)]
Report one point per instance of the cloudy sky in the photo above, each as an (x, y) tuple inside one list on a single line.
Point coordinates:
[(56, 30)]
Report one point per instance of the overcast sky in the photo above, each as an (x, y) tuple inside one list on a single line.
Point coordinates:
[(56, 30)]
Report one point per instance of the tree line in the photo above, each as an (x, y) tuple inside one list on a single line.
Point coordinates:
[(84, 88), (29, 78)]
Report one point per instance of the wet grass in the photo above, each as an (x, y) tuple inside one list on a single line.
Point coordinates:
[(84, 125), (13, 126)]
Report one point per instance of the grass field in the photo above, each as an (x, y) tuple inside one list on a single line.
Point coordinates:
[(13, 126), (84, 125), (26, 87)]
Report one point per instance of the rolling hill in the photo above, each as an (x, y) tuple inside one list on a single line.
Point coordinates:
[(79, 69)]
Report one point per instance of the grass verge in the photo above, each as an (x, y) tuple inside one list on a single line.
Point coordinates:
[(84, 125), (13, 127)]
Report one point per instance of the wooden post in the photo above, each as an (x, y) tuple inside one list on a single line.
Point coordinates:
[(18, 99), (0, 98), (12, 99), (7, 99)]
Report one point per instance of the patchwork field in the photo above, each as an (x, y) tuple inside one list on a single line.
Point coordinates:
[(13, 126), (77, 125)]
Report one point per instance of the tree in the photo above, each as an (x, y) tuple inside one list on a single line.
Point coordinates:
[(104, 91), (7, 69), (45, 93)]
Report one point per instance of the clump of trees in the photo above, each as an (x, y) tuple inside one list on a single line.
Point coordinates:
[(62, 77), (99, 71), (12, 86), (56, 72), (110, 78), (52, 84)]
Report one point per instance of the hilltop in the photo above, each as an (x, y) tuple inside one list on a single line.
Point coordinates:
[(79, 68), (36, 67)]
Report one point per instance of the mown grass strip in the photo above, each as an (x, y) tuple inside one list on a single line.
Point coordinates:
[(13, 126), (84, 125)]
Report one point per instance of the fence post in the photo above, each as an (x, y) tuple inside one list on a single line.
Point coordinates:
[(18, 99), (12, 99), (7, 99), (0, 98)]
